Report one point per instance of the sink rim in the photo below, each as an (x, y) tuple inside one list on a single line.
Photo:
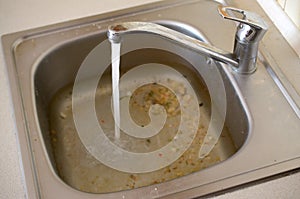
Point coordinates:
[(18, 102)]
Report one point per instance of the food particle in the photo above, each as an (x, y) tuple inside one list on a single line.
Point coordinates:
[(62, 115), (133, 177)]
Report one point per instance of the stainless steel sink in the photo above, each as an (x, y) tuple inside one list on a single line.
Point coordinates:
[(259, 138)]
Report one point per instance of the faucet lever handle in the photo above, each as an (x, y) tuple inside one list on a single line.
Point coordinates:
[(249, 18), (257, 27)]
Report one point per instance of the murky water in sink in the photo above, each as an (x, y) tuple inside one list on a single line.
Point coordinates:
[(82, 171)]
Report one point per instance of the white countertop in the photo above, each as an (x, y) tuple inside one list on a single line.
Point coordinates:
[(21, 15)]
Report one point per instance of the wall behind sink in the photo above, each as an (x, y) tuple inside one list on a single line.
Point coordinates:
[(292, 8)]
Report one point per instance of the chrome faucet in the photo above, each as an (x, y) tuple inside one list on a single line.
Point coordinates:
[(250, 31)]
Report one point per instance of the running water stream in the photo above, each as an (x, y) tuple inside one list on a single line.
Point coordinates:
[(115, 58)]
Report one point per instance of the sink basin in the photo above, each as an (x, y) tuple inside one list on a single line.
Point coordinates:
[(44, 63), (73, 162)]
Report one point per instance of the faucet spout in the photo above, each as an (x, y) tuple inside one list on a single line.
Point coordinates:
[(115, 33), (250, 31)]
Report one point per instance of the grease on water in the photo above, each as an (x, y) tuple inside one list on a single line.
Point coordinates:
[(82, 171)]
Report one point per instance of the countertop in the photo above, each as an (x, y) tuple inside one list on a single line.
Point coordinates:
[(20, 15)]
